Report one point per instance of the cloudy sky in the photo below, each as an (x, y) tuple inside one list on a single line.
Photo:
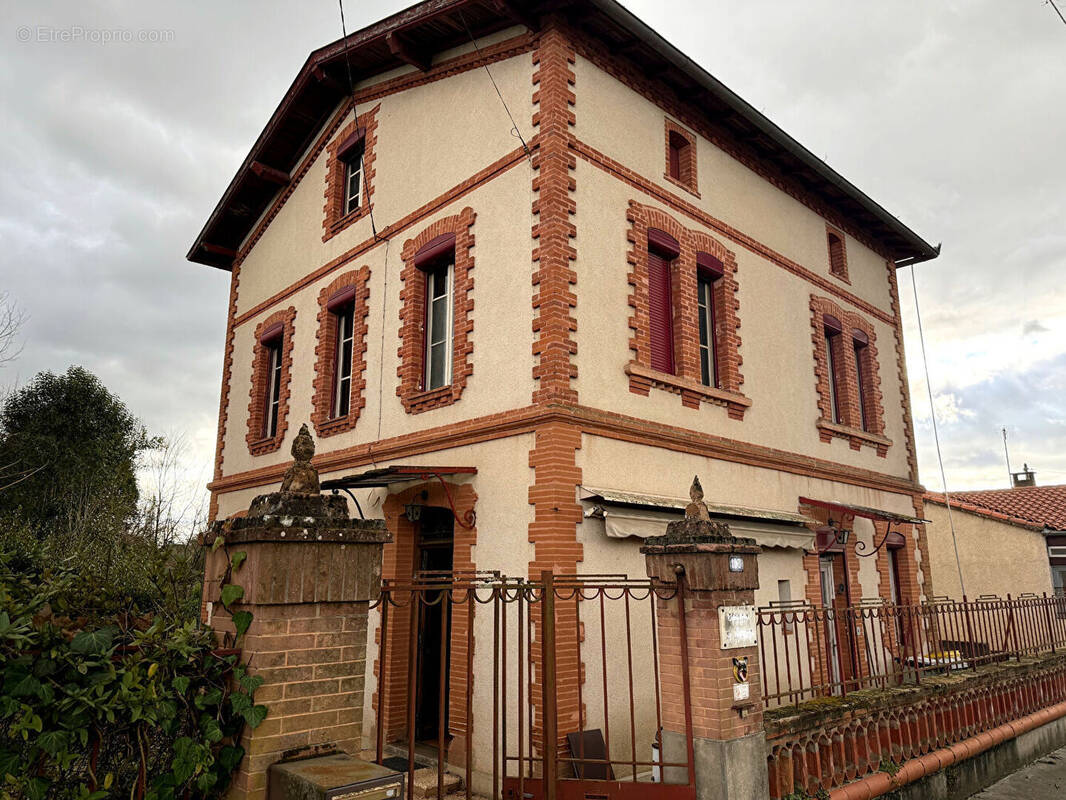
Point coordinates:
[(951, 114)]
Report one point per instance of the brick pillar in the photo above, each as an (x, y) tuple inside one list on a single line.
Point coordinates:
[(309, 575), (710, 569)]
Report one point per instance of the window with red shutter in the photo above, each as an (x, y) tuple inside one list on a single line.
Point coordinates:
[(660, 312)]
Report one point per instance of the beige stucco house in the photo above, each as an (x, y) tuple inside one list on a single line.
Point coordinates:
[(1009, 541), (536, 314)]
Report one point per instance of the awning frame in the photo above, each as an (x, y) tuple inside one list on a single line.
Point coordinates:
[(874, 514), (403, 473)]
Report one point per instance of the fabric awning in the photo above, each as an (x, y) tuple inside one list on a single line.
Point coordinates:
[(386, 476), (626, 514)]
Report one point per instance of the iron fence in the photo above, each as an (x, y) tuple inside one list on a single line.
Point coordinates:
[(551, 688), (808, 651)]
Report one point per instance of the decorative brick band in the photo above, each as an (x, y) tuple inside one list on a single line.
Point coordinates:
[(257, 443), (554, 185), (684, 289), (848, 394), (336, 219), (326, 354), (687, 162), (412, 314)]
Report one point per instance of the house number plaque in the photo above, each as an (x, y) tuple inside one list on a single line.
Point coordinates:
[(737, 626)]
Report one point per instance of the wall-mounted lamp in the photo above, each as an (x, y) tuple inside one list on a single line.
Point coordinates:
[(843, 535), (413, 512)]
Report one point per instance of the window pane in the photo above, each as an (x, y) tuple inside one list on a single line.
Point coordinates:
[(830, 351), (353, 182), (436, 365), (861, 382), (439, 317), (344, 393)]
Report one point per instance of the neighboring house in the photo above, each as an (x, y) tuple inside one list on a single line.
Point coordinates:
[(1010, 541), (520, 357)]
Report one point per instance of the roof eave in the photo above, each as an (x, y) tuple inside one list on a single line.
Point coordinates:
[(922, 250)]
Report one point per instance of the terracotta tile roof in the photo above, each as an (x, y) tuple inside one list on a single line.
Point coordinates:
[(1036, 507)]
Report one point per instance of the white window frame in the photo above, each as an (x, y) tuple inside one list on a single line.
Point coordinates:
[(834, 401), (449, 310), (345, 341), (273, 398), (353, 169), (708, 349)]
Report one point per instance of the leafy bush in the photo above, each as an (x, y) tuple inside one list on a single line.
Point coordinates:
[(102, 695)]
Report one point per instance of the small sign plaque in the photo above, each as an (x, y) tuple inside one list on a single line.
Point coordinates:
[(737, 626), (736, 563), (741, 691)]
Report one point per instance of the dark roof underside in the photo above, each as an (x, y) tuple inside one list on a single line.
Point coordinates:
[(436, 25)]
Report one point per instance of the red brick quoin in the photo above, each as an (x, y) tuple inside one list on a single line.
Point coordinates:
[(326, 352), (412, 313), (258, 444), (850, 427), (686, 382), (335, 219)]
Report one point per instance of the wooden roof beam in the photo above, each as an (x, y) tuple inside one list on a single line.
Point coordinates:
[(327, 81), (406, 52), (518, 14), (219, 250), (270, 174)]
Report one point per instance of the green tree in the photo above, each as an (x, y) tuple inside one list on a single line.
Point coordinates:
[(69, 450)]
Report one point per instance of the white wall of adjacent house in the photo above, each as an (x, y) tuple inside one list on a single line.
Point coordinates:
[(996, 557)]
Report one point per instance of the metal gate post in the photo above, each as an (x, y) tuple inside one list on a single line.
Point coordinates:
[(548, 699)]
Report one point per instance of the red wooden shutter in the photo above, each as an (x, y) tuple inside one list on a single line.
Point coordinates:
[(675, 160), (660, 312)]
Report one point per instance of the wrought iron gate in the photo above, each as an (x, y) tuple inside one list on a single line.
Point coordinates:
[(567, 659)]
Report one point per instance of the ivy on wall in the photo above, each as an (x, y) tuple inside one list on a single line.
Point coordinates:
[(98, 699)]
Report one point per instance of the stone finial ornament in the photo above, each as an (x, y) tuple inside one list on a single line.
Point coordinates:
[(301, 477), (697, 509)]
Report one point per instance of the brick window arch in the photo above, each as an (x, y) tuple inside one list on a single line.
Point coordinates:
[(268, 403), (850, 403), (340, 353), (447, 240), (660, 245)]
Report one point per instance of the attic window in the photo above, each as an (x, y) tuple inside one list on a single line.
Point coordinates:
[(838, 256), (353, 178), (681, 157), (350, 173)]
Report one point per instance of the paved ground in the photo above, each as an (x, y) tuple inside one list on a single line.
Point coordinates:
[(1042, 780)]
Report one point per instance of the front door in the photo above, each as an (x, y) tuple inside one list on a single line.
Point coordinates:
[(433, 563)]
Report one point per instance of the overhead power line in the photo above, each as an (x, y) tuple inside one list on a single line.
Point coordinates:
[(1052, 4)]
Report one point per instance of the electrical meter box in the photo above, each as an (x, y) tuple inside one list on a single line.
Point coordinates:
[(335, 777)]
